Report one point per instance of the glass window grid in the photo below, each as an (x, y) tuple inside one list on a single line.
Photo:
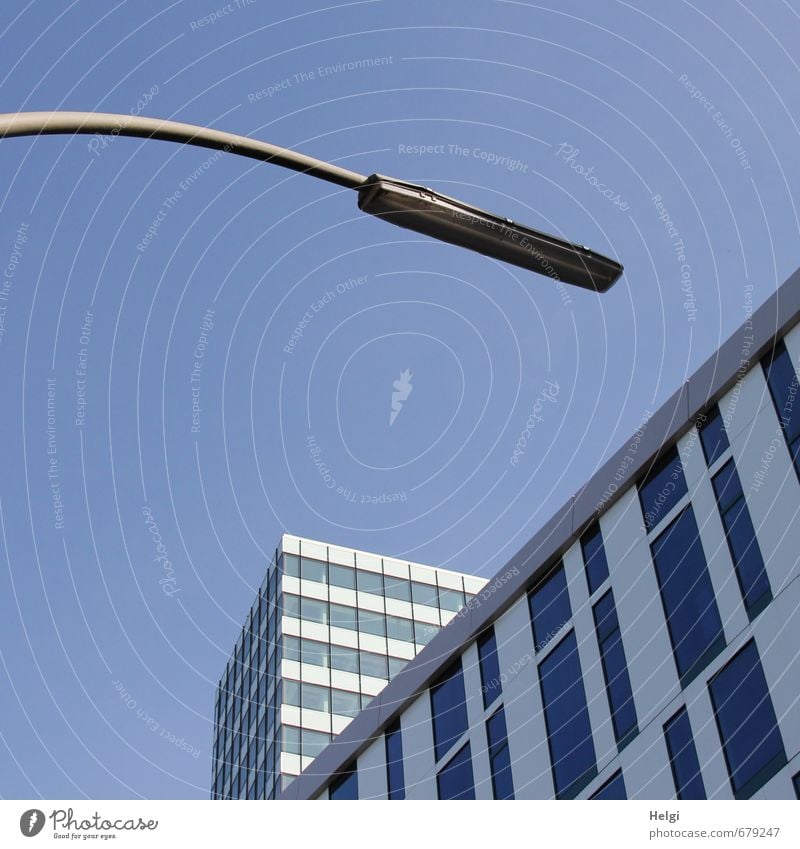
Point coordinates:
[(748, 563)]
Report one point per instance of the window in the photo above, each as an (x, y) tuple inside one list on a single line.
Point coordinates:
[(395, 779), (400, 629), (614, 788), (345, 785), (313, 570), (345, 703), (783, 386), (741, 536), (569, 733), (396, 665), (316, 698), (455, 780), (343, 617), (693, 621), (661, 490), (594, 556), (424, 632), (315, 653), (291, 693), (342, 576), (314, 611), (549, 607), (374, 665), (291, 648), (748, 728), (796, 783), (398, 588), (449, 710), (291, 565), (683, 757), (313, 742), (371, 623), (291, 739), (615, 670), (499, 756), (369, 582), (424, 594), (451, 599), (713, 436), (344, 659), (491, 686), (291, 606)]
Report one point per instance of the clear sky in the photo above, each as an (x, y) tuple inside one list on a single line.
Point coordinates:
[(205, 347)]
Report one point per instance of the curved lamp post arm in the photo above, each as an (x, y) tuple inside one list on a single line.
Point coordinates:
[(405, 204), (103, 123)]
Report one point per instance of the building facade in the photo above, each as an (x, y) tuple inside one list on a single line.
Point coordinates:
[(328, 629), (644, 644)]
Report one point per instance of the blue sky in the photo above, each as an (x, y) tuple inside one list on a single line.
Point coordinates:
[(662, 135)]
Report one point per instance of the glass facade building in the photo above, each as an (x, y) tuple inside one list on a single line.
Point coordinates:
[(643, 643), (329, 629)]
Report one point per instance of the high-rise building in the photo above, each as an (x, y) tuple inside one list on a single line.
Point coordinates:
[(644, 643), (327, 631)]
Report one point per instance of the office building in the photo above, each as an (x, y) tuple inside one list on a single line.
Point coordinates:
[(327, 631), (644, 643)]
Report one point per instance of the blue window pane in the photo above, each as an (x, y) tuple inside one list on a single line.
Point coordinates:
[(451, 599), (424, 594), (747, 724), (399, 588), (291, 648), (313, 742), (594, 556), (374, 665), (615, 669), (291, 606), (343, 617), (499, 756), (683, 757), (291, 739), (370, 622), (316, 698), (614, 788), (796, 784), (742, 542), (785, 391), (661, 490), (395, 778), (342, 576), (344, 659), (345, 786), (455, 781), (315, 653), (713, 436), (291, 565), (549, 607), (400, 629), (424, 632), (344, 703), (491, 686), (567, 719), (314, 610), (313, 570), (693, 620), (449, 710), (396, 665), (369, 582)]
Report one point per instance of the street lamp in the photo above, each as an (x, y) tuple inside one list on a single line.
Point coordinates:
[(405, 204)]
